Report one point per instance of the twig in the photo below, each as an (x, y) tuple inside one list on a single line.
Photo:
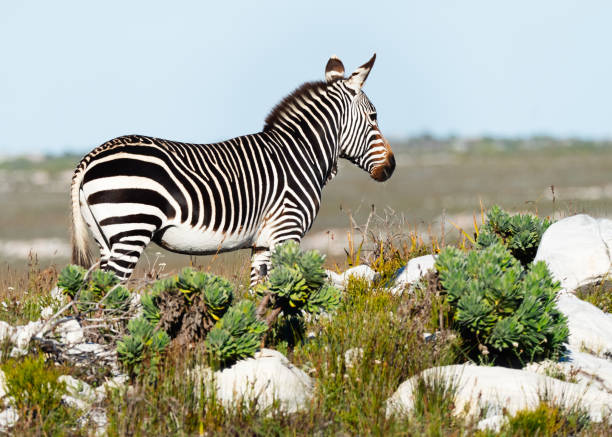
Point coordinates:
[(263, 306)]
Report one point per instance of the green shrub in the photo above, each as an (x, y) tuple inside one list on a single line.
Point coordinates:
[(188, 305), (521, 233), (89, 291), (36, 392), (143, 345), (297, 284), (236, 335), (546, 420), (71, 279), (188, 308), (297, 281), (505, 314), (599, 294)]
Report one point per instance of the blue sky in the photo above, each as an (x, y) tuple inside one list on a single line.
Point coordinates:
[(75, 74)]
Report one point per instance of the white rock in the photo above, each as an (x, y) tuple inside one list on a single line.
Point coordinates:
[(116, 382), (499, 390), (428, 336), (6, 331), (71, 332), (493, 423), (590, 328), (8, 418), (335, 278), (97, 418), (75, 402), (580, 367), (361, 271), (103, 354), (412, 272), (3, 388), (22, 335), (46, 312), (266, 378), (576, 250), (79, 389)]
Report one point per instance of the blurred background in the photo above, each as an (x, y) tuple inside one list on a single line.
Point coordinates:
[(483, 104)]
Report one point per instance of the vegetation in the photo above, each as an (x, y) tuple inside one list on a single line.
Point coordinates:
[(384, 333), (297, 284), (505, 313), (547, 420), (520, 233), (599, 294), (97, 291), (36, 393), (235, 336)]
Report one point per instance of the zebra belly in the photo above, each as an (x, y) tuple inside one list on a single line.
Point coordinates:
[(186, 239)]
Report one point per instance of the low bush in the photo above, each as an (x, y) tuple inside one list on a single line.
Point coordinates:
[(297, 284), (520, 233), (35, 391), (506, 314), (599, 294), (235, 336), (187, 309), (188, 305), (99, 290), (142, 348), (547, 420)]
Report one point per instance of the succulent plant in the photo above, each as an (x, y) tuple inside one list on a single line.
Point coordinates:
[(297, 281), (236, 335), (71, 279), (99, 285), (143, 343), (504, 312), (521, 233)]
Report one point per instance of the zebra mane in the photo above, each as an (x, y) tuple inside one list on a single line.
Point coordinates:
[(280, 109)]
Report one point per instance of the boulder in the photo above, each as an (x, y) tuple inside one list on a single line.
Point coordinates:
[(341, 279), (576, 250), (579, 367), (21, 336), (6, 331), (266, 378), (412, 272), (590, 328), (500, 390), (71, 332), (79, 394), (8, 419)]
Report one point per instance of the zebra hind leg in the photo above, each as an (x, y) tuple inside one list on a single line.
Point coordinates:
[(104, 255), (125, 253)]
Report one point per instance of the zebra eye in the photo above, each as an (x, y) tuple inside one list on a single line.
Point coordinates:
[(372, 116)]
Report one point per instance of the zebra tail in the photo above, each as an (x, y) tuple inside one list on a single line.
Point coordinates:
[(81, 251)]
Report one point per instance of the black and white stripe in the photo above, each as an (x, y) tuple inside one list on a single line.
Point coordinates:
[(251, 191)]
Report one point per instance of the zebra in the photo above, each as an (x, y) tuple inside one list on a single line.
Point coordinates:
[(254, 191)]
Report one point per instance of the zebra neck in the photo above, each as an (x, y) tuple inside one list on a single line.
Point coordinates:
[(318, 148)]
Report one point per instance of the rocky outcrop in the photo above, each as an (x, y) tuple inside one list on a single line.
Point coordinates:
[(501, 390), (577, 250)]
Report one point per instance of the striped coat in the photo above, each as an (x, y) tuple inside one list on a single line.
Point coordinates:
[(253, 191)]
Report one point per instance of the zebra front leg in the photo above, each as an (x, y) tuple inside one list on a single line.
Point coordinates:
[(260, 264)]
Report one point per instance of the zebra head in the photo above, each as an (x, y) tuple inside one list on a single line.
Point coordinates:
[(361, 141)]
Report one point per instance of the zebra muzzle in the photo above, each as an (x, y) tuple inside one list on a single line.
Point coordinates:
[(384, 171)]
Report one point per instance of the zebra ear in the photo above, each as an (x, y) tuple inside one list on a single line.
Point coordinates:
[(359, 76), (334, 69)]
